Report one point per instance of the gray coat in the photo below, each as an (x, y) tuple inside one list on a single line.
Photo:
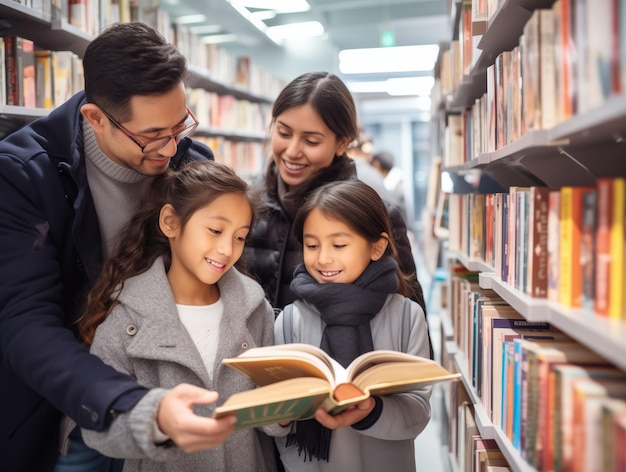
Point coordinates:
[(389, 443), (144, 336)]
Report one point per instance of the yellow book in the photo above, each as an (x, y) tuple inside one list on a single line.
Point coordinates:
[(616, 278), (295, 379), (570, 273)]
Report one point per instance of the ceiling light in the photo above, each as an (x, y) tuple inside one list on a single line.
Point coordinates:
[(279, 6), (206, 29), (190, 19), (420, 86), (295, 30), (219, 38), (394, 59), (264, 15)]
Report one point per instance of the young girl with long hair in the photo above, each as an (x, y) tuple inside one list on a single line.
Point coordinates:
[(351, 298), (169, 305)]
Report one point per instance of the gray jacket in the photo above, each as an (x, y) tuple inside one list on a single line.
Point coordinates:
[(144, 337), (389, 443)]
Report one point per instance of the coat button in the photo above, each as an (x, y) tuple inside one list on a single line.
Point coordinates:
[(244, 345), (131, 329), (94, 416)]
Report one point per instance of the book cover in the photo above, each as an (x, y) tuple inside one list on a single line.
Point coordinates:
[(3, 74), (616, 277), (522, 239), (540, 357), (511, 328), (588, 247), (559, 452), (14, 71), (488, 313), (547, 67), (604, 188), (43, 79), (596, 53), (610, 410), (531, 74), (28, 73), (554, 243), (294, 379), (62, 75), (537, 286), (570, 270), (508, 372), (588, 395)]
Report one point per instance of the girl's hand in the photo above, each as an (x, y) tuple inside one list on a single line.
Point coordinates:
[(189, 431), (348, 417)]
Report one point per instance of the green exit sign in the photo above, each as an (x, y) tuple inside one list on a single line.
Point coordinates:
[(388, 39)]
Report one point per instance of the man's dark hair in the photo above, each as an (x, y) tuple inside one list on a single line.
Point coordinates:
[(129, 59)]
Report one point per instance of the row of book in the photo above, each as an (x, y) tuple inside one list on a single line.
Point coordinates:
[(227, 112), (475, 453), (34, 77), (566, 245), (570, 59), (91, 16), (247, 158), (560, 405)]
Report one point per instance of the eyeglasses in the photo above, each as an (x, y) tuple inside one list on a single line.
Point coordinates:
[(157, 143)]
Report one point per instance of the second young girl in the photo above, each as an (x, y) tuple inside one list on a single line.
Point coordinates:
[(169, 306), (351, 299)]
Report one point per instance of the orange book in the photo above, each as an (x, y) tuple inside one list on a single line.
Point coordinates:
[(616, 277), (570, 277)]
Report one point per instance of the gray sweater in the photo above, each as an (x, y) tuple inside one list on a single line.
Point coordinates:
[(144, 337), (389, 443)]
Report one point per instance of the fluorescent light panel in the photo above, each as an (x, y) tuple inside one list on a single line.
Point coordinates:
[(190, 19), (295, 30), (420, 86), (279, 6), (206, 29), (384, 60), (219, 38)]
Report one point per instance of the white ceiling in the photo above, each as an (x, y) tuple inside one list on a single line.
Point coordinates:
[(348, 24)]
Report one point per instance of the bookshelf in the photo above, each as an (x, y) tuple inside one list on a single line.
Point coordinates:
[(581, 147), (53, 31)]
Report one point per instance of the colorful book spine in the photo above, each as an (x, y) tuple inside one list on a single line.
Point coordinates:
[(616, 295)]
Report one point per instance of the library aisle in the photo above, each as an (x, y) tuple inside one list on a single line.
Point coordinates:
[(429, 451)]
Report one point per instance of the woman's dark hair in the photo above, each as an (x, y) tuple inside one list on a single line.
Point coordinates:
[(329, 97), (141, 241), (360, 207), (129, 59)]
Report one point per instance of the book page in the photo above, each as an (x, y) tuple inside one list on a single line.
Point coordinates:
[(397, 377), (381, 356), (269, 364)]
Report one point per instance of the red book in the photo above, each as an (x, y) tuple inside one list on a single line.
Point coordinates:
[(603, 245), (14, 73)]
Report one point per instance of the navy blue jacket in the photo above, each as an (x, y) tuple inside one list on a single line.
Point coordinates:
[(50, 253)]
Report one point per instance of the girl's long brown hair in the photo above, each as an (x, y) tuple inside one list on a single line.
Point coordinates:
[(141, 241), (360, 207)]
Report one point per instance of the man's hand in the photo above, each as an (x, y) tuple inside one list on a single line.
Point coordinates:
[(189, 431), (348, 417)]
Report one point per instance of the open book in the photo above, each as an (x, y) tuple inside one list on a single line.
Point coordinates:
[(295, 379)]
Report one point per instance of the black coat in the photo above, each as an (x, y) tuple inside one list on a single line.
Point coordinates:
[(50, 252), (272, 253)]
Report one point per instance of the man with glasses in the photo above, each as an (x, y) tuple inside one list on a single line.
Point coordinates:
[(68, 183)]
